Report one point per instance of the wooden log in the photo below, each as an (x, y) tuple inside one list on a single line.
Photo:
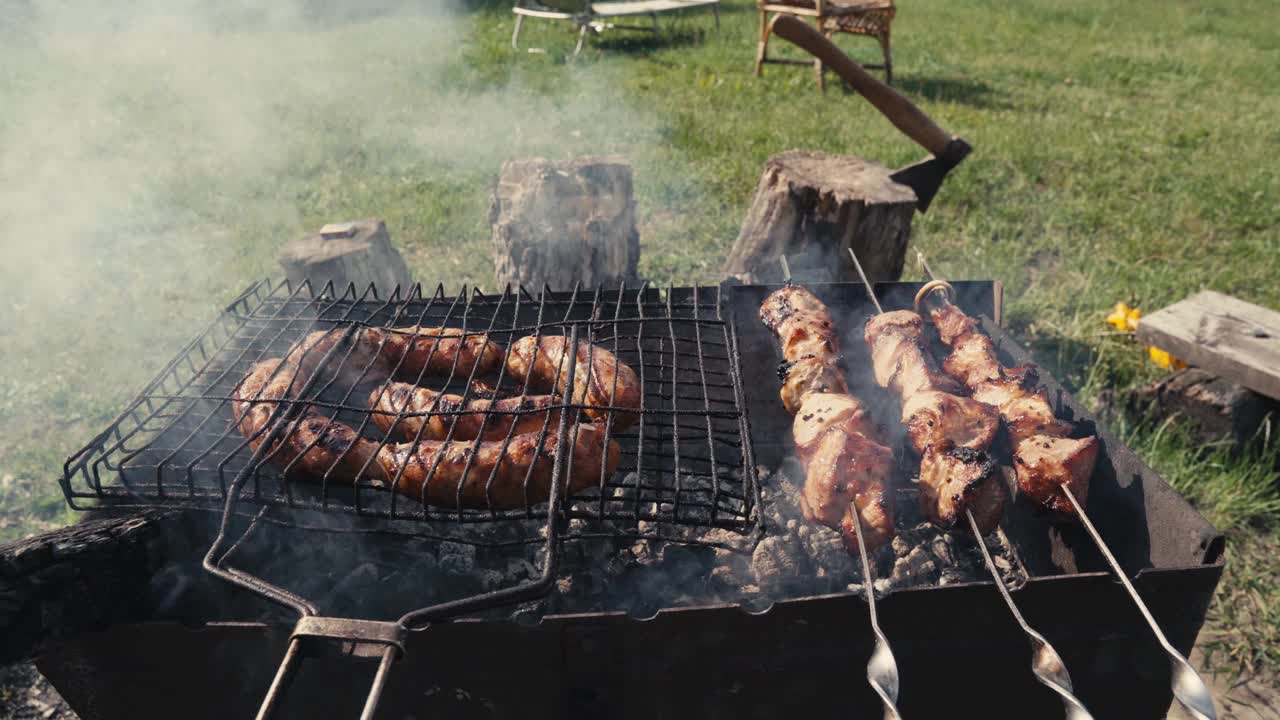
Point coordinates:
[(1219, 410), (564, 223), (1226, 336), (813, 207), (358, 253), (83, 577)]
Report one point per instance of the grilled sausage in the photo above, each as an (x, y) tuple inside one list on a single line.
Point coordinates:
[(312, 444), (444, 410), (462, 474), (354, 353), (599, 379), (318, 446)]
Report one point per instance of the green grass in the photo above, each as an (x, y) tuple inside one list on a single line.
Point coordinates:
[(151, 166)]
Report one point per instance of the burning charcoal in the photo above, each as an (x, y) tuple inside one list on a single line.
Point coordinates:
[(490, 580), (780, 562), (456, 558), (881, 586), (826, 547), (941, 550), (900, 546), (521, 569), (727, 579), (353, 589), (915, 569), (952, 576)]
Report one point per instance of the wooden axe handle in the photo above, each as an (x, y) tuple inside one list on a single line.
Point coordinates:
[(901, 112)]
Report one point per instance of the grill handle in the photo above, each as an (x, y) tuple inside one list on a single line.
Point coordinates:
[(358, 638)]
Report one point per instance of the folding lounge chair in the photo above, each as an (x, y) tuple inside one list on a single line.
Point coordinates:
[(596, 16)]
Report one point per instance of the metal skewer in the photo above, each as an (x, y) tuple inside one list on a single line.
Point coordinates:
[(1188, 687), (882, 668), (1046, 664)]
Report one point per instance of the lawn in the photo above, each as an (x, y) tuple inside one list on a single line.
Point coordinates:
[(153, 157)]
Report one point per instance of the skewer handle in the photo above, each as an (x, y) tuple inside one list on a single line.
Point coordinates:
[(1046, 663), (882, 669), (1188, 687)]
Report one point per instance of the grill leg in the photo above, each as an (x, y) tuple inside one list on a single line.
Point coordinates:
[(582, 38)]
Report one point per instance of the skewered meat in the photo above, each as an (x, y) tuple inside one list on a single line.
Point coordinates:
[(466, 418), (1045, 458), (950, 432), (810, 346), (600, 379), (846, 469), (356, 353), (468, 474)]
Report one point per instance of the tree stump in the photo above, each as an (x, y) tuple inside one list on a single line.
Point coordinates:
[(813, 207), (358, 252), (564, 223)]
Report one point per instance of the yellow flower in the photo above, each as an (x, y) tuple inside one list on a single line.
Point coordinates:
[(1124, 318), (1164, 359)]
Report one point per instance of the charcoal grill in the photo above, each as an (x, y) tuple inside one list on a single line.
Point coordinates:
[(707, 361)]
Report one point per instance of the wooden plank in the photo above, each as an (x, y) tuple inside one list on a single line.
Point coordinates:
[(1235, 339)]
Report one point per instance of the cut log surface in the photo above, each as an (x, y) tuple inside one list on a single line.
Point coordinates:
[(358, 252), (564, 223), (1224, 335), (83, 577), (813, 207)]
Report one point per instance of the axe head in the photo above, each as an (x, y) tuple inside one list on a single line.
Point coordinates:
[(925, 177)]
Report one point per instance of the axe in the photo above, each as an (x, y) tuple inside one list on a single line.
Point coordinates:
[(925, 176)]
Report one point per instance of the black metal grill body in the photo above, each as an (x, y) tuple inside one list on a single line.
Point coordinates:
[(959, 652)]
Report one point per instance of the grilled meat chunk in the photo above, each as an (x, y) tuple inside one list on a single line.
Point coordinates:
[(843, 472), (941, 421), (807, 376), (899, 358), (810, 346), (957, 480), (822, 411), (1045, 463), (600, 378)]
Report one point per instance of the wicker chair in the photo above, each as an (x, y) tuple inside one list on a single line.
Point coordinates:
[(856, 17)]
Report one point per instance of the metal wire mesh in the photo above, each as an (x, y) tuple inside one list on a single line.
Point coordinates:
[(687, 461)]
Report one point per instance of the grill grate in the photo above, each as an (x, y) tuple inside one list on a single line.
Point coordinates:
[(687, 462)]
